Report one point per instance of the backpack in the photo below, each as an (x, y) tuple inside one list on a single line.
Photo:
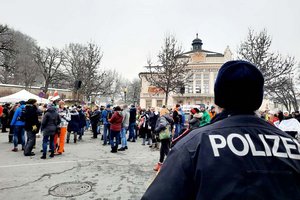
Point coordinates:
[(22, 116)]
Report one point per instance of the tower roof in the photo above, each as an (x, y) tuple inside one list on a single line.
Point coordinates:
[(197, 43)]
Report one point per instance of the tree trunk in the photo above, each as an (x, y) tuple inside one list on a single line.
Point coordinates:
[(47, 82), (166, 98)]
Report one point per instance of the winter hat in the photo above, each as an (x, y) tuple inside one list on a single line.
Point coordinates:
[(193, 111), (108, 106), (117, 108), (49, 105), (239, 86), (22, 102), (31, 101)]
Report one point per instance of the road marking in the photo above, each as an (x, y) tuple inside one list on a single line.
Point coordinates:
[(67, 161)]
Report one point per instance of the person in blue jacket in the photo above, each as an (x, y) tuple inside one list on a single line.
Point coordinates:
[(106, 114), (237, 156), (18, 126)]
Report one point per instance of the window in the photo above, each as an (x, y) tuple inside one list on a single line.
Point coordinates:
[(198, 76), (206, 83), (206, 86), (148, 103), (206, 76), (159, 103), (198, 89)]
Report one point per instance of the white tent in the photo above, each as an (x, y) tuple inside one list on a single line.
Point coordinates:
[(22, 95)]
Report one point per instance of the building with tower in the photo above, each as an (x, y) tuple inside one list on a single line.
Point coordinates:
[(204, 66)]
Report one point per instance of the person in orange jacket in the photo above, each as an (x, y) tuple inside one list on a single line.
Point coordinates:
[(63, 113), (212, 112)]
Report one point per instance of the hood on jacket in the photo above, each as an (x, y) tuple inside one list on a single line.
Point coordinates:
[(168, 118), (119, 112), (51, 109)]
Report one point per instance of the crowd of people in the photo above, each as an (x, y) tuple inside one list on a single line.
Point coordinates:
[(159, 128), (210, 145)]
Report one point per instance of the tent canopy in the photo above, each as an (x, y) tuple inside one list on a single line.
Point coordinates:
[(22, 95)]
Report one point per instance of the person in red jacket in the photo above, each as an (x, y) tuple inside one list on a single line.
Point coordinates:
[(115, 128)]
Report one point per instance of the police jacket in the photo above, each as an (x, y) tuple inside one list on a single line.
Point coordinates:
[(239, 157)]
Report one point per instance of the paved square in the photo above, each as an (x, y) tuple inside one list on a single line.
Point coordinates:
[(86, 168)]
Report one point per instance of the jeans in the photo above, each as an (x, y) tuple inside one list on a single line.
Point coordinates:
[(177, 130), (106, 133), (123, 137), (45, 144), (88, 124), (30, 142), (131, 131), (114, 135), (19, 130)]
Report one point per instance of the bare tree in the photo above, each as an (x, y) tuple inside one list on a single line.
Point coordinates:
[(7, 64), (26, 70), (134, 91), (6, 42), (171, 73), (83, 64), (286, 95), (92, 75), (111, 84), (49, 62), (275, 68)]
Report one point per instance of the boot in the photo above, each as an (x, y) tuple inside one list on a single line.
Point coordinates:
[(68, 137), (43, 156), (75, 137), (157, 166), (121, 149), (114, 149), (52, 154)]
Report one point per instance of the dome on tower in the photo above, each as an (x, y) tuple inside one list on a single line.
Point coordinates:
[(197, 43)]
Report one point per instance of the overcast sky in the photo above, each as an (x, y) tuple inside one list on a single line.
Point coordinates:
[(130, 31)]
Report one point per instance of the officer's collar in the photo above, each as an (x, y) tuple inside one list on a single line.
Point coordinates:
[(228, 113)]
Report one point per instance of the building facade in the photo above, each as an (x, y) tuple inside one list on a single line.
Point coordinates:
[(204, 66)]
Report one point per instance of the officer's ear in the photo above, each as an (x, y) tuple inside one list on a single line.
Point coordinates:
[(219, 109)]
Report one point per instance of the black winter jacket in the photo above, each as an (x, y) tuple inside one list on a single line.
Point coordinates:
[(240, 157), (31, 117), (132, 117), (50, 122)]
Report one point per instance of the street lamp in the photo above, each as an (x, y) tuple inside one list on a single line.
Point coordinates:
[(125, 92)]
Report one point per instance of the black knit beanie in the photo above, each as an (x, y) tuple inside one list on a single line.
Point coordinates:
[(239, 86), (31, 101)]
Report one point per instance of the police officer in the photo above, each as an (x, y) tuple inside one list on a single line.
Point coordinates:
[(239, 155)]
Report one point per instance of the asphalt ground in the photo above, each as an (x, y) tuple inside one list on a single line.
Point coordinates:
[(86, 170)]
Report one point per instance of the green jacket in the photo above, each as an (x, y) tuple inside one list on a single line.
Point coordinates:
[(205, 119)]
